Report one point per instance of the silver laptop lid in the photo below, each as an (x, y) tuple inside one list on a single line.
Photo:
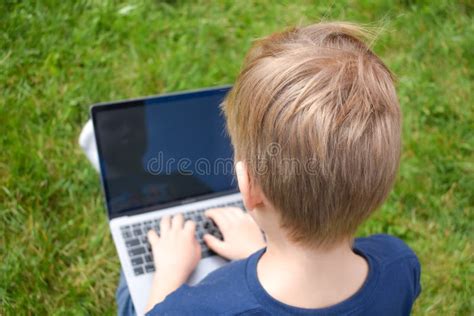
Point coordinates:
[(160, 151)]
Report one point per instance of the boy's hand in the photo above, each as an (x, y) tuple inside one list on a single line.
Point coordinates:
[(242, 236), (176, 253)]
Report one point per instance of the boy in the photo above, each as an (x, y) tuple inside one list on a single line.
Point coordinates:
[(315, 124)]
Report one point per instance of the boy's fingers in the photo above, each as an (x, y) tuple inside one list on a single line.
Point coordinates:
[(217, 215), (237, 212), (153, 237), (190, 226), (215, 244), (229, 213), (177, 221), (165, 224)]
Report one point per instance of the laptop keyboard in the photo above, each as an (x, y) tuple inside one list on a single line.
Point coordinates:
[(139, 250)]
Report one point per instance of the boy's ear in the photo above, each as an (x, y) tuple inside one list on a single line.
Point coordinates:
[(251, 194)]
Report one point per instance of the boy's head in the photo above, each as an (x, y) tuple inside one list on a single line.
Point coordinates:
[(315, 119)]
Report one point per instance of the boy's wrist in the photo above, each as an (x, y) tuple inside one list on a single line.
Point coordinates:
[(162, 286), (162, 280)]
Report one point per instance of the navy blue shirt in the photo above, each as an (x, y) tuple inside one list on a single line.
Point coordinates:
[(391, 287)]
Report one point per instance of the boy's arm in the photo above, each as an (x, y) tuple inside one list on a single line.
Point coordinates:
[(176, 252)]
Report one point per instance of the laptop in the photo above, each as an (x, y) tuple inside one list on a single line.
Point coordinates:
[(163, 155)]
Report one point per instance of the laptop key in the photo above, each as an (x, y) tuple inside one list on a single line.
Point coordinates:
[(132, 242), (206, 253), (148, 258), (136, 251), (138, 270), (149, 268), (137, 261), (207, 225), (126, 234), (137, 232)]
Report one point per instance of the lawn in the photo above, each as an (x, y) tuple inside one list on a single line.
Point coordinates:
[(58, 57)]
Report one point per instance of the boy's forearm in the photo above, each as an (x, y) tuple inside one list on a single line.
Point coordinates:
[(162, 286)]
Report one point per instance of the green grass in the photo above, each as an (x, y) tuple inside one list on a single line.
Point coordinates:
[(58, 57)]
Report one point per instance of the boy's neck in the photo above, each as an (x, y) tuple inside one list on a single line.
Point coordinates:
[(310, 277)]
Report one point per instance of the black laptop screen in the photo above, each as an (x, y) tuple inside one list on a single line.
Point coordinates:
[(161, 150)]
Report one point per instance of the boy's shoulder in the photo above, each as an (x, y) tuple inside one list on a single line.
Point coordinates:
[(384, 248), (397, 270)]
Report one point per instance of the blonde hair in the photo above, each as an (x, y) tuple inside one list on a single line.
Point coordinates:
[(315, 116)]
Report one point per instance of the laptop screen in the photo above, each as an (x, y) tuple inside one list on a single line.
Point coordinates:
[(161, 150)]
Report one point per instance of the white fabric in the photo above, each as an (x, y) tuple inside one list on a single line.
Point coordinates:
[(88, 145)]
